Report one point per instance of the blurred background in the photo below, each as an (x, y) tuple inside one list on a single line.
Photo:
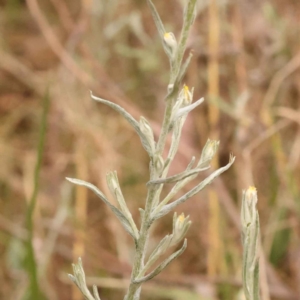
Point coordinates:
[(246, 64)]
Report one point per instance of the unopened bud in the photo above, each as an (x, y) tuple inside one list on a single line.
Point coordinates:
[(170, 42), (208, 152), (148, 132), (186, 95), (112, 182), (114, 187), (251, 241), (249, 202), (181, 225), (170, 87)]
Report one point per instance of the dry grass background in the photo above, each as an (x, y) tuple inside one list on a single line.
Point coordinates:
[(246, 63)]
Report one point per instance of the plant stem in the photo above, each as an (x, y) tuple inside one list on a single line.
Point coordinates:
[(167, 120), (134, 288), (34, 290), (154, 191)]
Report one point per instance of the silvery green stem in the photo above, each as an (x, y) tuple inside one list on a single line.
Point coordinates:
[(154, 191), (251, 244), (189, 17), (133, 292), (183, 101), (167, 120), (179, 103), (176, 67)]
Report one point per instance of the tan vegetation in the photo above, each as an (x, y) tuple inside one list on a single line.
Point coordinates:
[(246, 65)]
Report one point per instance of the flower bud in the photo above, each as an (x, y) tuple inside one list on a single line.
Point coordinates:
[(181, 225), (112, 182), (208, 152), (170, 42), (251, 243), (249, 201), (148, 132), (114, 187), (183, 104), (186, 95), (170, 87)]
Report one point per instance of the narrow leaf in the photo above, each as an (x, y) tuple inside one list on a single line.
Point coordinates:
[(185, 110), (190, 165), (184, 67), (167, 208), (163, 265), (159, 24), (129, 118), (157, 252), (178, 177), (114, 209)]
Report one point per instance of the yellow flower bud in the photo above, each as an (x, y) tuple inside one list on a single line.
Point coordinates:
[(170, 42)]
